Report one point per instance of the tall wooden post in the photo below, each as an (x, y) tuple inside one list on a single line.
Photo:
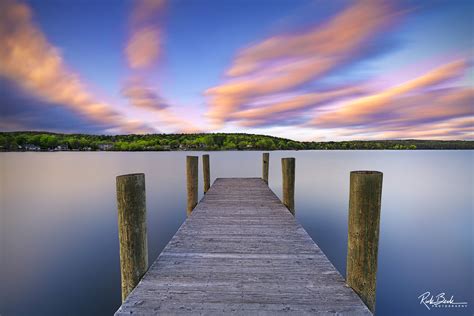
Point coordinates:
[(265, 165), (191, 182), (131, 203), (206, 170), (288, 171), (363, 237)]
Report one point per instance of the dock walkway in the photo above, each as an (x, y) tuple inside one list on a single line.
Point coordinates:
[(241, 252)]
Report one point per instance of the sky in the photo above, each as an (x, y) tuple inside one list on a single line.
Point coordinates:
[(301, 69)]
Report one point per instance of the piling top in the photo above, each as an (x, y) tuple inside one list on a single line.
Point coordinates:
[(242, 253), (369, 172), (131, 175)]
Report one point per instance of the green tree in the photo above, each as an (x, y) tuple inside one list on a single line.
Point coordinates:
[(242, 144), (174, 144), (229, 145)]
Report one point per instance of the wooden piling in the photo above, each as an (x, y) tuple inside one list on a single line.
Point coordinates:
[(131, 203), (206, 171), (191, 182), (288, 171), (363, 236), (265, 165)]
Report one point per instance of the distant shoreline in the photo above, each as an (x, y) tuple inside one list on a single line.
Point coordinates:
[(52, 142)]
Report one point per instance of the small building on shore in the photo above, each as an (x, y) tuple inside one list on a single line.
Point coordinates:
[(64, 147), (31, 147), (107, 146)]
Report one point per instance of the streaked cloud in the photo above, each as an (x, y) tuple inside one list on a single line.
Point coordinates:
[(286, 62), (144, 11), (456, 128), (142, 52), (368, 69), (145, 97), (275, 83), (29, 60), (411, 100), (444, 113), (143, 47), (140, 95), (292, 106), (334, 40)]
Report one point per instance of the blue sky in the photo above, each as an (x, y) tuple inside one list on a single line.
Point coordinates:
[(307, 70)]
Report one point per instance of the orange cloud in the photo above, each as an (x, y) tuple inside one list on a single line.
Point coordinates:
[(142, 52), (143, 47), (458, 128), (142, 96), (28, 59), (299, 102), (339, 36), (436, 106), (439, 114), (448, 129), (144, 11), (364, 109), (285, 62)]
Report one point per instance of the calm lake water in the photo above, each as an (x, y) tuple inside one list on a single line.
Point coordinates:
[(59, 239)]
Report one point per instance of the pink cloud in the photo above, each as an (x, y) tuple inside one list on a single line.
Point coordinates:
[(364, 110), (142, 51), (452, 129), (281, 63), (145, 11), (140, 95), (29, 60), (143, 96), (143, 47), (291, 106)]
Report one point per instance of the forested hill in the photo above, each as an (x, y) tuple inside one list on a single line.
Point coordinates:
[(44, 141)]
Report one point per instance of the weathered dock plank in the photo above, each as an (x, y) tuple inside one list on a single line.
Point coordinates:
[(241, 252)]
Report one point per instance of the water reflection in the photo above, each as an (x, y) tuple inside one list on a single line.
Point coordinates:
[(59, 222)]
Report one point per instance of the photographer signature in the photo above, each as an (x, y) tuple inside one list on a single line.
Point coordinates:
[(439, 301)]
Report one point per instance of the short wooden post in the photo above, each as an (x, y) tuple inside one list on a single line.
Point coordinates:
[(206, 172), (131, 203), (363, 237), (265, 165), (288, 171), (191, 182)]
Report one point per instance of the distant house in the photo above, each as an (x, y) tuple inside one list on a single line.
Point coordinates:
[(31, 147), (105, 146), (61, 148)]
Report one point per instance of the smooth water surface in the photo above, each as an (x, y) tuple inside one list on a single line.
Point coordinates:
[(59, 242)]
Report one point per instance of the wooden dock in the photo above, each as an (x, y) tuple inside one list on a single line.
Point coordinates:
[(242, 252)]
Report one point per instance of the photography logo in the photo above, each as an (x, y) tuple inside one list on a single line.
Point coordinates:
[(440, 300)]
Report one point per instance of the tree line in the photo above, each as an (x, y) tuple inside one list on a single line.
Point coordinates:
[(45, 141)]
